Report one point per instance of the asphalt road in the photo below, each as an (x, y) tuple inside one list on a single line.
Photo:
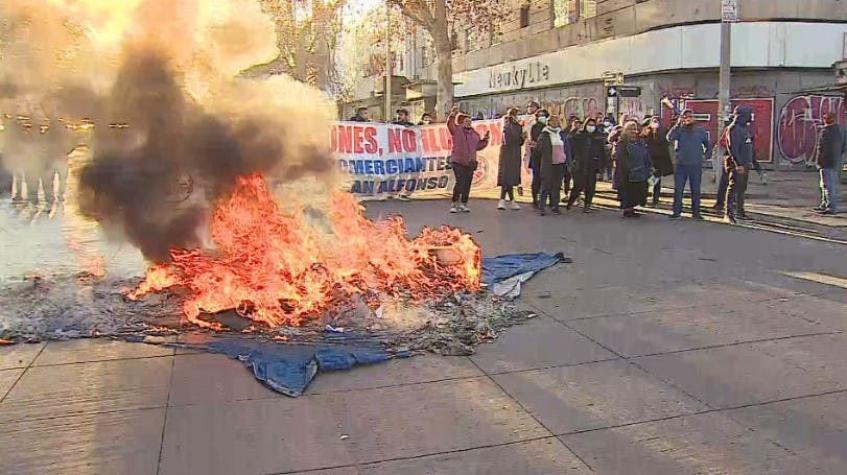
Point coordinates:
[(666, 347)]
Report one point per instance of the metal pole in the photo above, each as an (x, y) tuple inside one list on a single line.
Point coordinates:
[(388, 62), (724, 107)]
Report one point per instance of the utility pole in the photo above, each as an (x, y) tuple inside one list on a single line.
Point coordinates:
[(729, 15), (388, 62)]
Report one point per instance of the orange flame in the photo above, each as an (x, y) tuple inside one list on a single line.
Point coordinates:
[(280, 268)]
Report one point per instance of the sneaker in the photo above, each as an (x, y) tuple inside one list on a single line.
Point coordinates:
[(464, 208), (827, 212), (675, 216), (556, 211), (586, 210), (515, 206), (717, 207), (698, 217), (501, 205), (454, 209), (541, 212), (818, 209), (729, 220), (403, 198), (743, 217)]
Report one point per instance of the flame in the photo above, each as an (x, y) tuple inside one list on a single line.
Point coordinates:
[(281, 268)]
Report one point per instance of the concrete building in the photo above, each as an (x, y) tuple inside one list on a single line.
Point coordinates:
[(559, 51)]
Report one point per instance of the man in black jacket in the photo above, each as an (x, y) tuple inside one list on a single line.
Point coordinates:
[(739, 161), (831, 147)]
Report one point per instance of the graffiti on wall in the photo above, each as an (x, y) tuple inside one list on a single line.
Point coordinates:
[(799, 122), (706, 112)]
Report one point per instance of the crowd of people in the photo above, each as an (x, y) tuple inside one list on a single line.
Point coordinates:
[(572, 155), (567, 157)]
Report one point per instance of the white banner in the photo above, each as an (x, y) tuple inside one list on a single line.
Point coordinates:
[(390, 160)]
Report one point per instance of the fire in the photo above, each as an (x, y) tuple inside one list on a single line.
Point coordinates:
[(285, 268)]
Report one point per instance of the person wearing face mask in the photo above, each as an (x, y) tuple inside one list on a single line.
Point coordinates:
[(509, 165), (466, 143), (692, 145), (541, 117), (554, 151), (574, 127), (660, 153), (590, 157), (633, 169)]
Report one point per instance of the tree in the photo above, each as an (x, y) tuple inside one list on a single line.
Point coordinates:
[(438, 17), (307, 34)]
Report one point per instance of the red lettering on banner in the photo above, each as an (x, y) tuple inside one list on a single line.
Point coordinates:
[(445, 140), (394, 144), (372, 145), (428, 139), (358, 137), (344, 141), (496, 129), (410, 142)]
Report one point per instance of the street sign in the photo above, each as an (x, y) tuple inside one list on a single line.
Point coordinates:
[(623, 91), (729, 11)]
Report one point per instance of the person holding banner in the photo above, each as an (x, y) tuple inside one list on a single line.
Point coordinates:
[(466, 143), (553, 151), (509, 165)]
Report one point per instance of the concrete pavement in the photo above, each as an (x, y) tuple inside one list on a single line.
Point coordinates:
[(666, 347)]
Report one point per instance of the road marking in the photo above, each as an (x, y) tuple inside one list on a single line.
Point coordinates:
[(819, 278)]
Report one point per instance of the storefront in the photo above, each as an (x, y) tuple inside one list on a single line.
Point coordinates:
[(772, 72)]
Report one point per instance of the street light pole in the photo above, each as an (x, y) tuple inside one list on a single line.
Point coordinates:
[(388, 63), (729, 15)]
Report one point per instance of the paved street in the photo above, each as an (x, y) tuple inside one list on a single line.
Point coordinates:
[(665, 348)]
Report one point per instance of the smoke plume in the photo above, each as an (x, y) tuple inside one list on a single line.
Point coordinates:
[(174, 124)]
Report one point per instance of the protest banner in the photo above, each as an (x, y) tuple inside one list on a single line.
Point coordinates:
[(386, 160)]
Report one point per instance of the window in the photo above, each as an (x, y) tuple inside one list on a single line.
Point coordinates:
[(566, 12), (525, 15)]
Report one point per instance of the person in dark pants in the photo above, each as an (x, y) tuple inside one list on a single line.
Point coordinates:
[(574, 127), (589, 160), (692, 145), (466, 143), (632, 169), (738, 163), (660, 154), (554, 151), (541, 118), (509, 164), (831, 146)]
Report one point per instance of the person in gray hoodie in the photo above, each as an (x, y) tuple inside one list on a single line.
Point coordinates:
[(739, 161), (692, 145)]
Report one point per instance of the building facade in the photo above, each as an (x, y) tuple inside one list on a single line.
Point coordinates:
[(558, 52)]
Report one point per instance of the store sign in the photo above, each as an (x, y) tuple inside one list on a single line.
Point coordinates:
[(519, 76), (729, 11)]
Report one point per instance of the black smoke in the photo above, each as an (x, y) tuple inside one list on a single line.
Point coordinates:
[(160, 145)]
